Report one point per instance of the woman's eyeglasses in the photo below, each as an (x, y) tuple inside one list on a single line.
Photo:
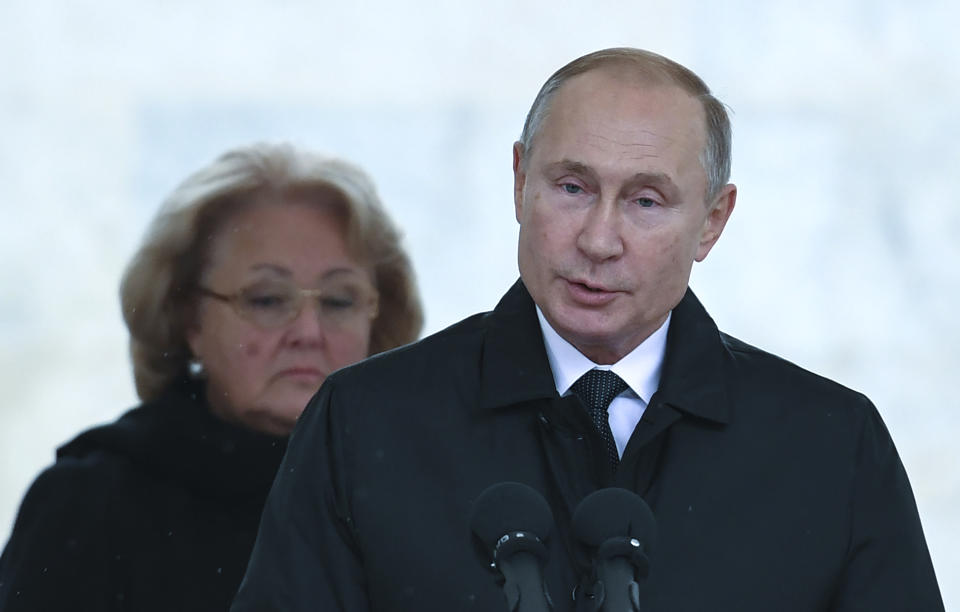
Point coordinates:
[(342, 303)]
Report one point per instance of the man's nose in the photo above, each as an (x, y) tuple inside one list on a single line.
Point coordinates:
[(600, 236)]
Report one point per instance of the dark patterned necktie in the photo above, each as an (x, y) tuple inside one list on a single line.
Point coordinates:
[(596, 389)]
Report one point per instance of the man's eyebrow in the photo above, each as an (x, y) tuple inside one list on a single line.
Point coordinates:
[(568, 165), (659, 179)]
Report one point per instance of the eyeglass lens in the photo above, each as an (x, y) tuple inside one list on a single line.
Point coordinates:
[(341, 302)]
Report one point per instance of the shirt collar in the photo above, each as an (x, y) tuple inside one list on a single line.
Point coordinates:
[(640, 368)]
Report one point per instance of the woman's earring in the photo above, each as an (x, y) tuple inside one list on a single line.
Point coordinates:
[(196, 369)]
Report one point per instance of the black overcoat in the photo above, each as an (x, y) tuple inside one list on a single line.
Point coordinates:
[(155, 512), (773, 488)]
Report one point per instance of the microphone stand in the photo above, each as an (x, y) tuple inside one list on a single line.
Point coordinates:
[(616, 528), (520, 555)]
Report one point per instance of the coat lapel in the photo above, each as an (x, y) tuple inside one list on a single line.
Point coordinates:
[(513, 365), (693, 379)]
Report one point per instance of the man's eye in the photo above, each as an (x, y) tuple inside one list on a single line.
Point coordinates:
[(571, 188), (645, 202)]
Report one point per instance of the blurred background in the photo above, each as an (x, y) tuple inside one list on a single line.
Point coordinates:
[(841, 256)]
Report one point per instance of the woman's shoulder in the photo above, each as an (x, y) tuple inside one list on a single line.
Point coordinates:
[(61, 534), (83, 511), (76, 480), (81, 493), (72, 495)]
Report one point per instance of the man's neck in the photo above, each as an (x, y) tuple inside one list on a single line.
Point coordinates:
[(640, 367)]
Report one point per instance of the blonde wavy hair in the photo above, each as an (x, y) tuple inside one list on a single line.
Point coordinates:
[(156, 292)]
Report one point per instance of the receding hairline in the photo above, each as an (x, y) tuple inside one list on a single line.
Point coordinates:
[(646, 69), (624, 69)]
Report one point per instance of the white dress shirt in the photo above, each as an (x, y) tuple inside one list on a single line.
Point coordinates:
[(640, 369)]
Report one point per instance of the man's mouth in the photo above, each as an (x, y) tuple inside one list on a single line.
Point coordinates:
[(592, 287), (589, 293)]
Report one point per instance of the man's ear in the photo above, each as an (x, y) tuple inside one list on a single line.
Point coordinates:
[(519, 178), (719, 212)]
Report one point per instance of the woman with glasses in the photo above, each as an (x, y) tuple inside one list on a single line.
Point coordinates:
[(261, 274)]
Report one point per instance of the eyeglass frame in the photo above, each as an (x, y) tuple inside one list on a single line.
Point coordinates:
[(233, 299)]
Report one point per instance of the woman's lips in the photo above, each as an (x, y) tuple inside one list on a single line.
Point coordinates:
[(306, 373)]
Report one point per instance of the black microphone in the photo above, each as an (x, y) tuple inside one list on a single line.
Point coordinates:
[(618, 530), (512, 521)]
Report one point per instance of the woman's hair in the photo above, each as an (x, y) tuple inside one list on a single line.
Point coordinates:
[(157, 291)]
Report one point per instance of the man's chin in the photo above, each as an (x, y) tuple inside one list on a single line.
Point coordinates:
[(586, 329)]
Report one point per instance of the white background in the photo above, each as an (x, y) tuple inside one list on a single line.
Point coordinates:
[(841, 255)]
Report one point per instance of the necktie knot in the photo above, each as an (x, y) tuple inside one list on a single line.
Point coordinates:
[(596, 389)]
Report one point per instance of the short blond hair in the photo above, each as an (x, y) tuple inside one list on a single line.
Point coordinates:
[(156, 292)]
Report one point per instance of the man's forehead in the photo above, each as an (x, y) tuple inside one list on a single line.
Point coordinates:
[(628, 73), (607, 111), (594, 94), (611, 82), (634, 131)]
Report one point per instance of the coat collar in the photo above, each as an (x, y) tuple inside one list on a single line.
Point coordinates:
[(177, 439), (514, 366), (694, 378)]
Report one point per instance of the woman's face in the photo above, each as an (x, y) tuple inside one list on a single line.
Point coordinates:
[(263, 357)]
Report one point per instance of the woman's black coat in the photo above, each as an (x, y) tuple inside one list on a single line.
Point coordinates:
[(156, 511)]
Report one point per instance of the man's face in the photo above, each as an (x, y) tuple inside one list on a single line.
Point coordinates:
[(612, 211)]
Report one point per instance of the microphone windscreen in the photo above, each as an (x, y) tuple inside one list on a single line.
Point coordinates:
[(506, 507), (614, 512)]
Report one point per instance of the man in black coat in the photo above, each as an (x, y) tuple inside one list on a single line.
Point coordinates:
[(772, 488)]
